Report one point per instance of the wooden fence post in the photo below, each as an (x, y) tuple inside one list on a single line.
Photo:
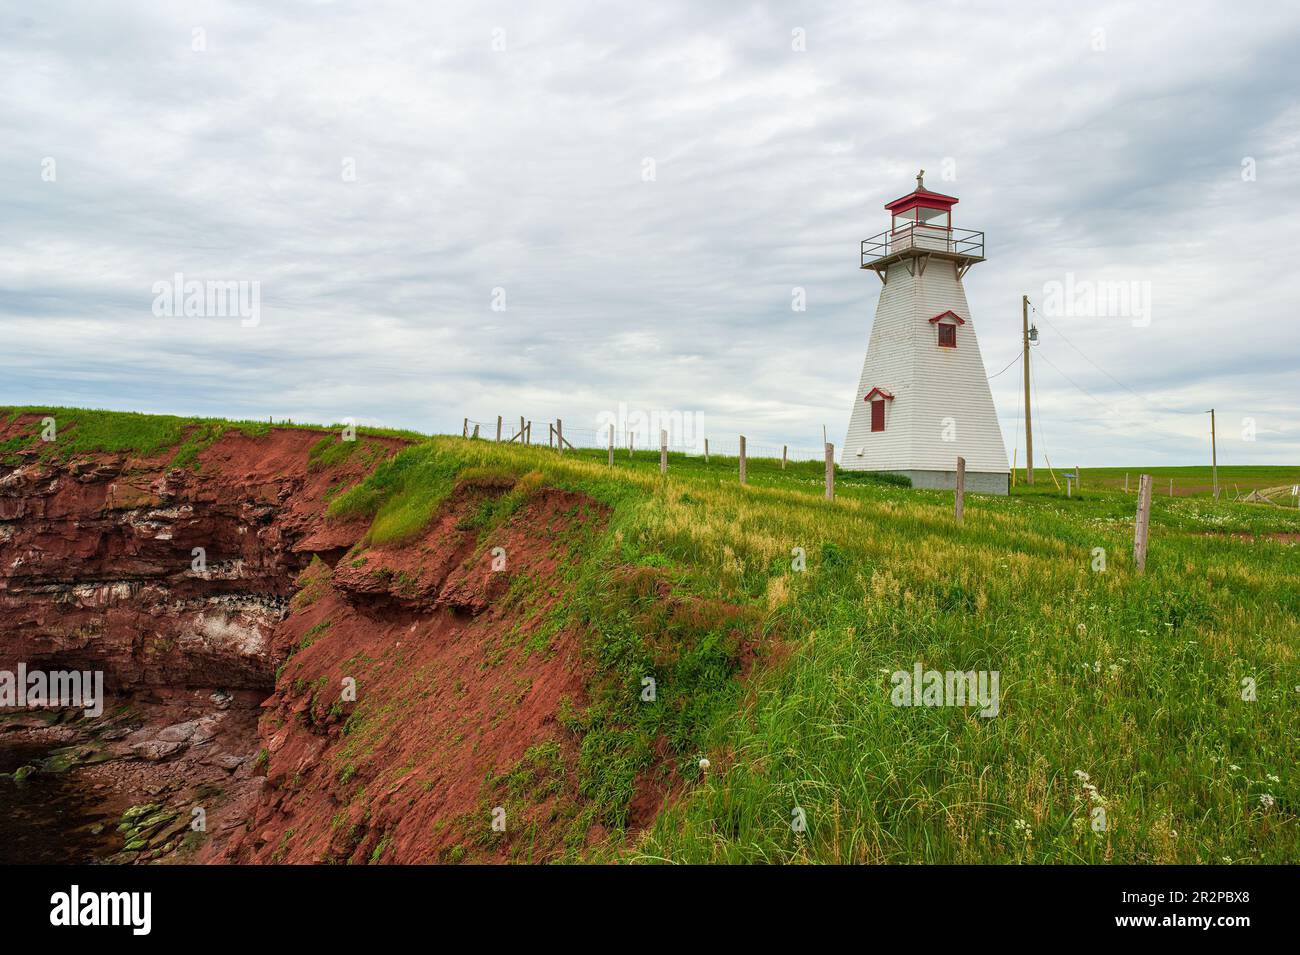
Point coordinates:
[(663, 451), (464, 428), (550, 435), (1067, 485), (742, 459), (959, 501), (706, 450), (475, 434), (611, 445), (830, 471), (1142, 527), (1171, 487), (498, 427), (1078, 477), (559, 435), (529, 434), (785, 448), (1125, 482), (521, 429)]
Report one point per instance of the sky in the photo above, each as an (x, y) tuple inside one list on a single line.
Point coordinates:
[(576, 210)]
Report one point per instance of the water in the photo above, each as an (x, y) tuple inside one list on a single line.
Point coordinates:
[(47, 817)]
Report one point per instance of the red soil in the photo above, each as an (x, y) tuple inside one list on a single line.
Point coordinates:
[(449, 693)]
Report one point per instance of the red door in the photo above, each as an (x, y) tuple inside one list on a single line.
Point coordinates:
[(878, 415)]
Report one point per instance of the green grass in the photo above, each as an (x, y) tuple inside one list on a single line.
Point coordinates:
[(1197, 480), (1134, 680), (80, 431)]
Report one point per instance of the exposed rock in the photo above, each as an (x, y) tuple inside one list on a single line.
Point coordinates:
[(178, 733), (154, 749)]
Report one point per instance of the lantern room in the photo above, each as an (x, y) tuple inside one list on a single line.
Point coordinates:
[(921, 208), (921, 227)]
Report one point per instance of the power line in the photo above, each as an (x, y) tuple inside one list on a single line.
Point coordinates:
[(1033, 379), (1082, 355), (1013, 361), (1073, 382)]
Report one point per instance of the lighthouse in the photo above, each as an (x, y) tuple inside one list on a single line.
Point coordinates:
[(923, 399)]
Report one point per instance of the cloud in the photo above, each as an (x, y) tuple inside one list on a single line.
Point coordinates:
[(1106, 143)]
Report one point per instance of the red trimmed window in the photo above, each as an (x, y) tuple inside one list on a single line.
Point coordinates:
[(878, 415), (947, 336)]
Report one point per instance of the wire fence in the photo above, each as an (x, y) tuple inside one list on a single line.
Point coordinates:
[(543, 433)]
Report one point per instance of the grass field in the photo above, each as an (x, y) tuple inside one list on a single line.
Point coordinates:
[(1119, 692), (1184, 481), (1142, 718)]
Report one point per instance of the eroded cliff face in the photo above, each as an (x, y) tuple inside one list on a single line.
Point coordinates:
[(452, 745), (160, 576), (314, 699), (172, 582)]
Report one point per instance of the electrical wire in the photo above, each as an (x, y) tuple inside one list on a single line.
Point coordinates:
[(1080, 387), (1012, 362), (1082, 355)]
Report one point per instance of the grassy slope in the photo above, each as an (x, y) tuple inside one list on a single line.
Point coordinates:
[(1188, 480), (1134, 680), (81, 430)]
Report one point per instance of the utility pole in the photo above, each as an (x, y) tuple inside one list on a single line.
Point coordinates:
[(1029, 430), (1214, 457)]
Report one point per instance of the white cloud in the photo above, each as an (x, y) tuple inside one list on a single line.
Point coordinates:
[(522, 169)]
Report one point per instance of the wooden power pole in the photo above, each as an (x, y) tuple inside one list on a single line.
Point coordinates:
[(1029, 429), (1214, 457)]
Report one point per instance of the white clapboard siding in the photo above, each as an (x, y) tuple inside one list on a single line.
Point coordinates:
[(929, 383)]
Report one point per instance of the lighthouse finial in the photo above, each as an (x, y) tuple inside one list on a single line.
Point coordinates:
[(920, 180)]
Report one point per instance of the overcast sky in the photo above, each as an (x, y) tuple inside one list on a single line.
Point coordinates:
[(645, 183)]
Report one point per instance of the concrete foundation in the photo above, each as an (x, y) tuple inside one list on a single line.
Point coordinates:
[(977, 482)]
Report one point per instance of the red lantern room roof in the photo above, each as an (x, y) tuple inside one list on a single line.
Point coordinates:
[(921, 196)]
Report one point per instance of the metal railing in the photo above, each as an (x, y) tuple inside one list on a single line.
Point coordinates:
[(925, 238)]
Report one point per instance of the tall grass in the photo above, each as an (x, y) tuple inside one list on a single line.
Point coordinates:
[(1132, 684), (1168, 700)]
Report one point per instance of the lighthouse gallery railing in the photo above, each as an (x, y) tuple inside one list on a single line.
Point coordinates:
[(924, 238)]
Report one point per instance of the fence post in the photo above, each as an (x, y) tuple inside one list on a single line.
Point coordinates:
[(1142, 526), (959, 502), (830, 471), (1125, 482), (1078, 477), (1171, 487), (550, 435), (498, 427), (529, 432), (611, 445), (1067, 486), (559, 435), (521, 429), (706, 450), (663, 451), (742, 459), (475, 434), (464, 428), (629, 445), (785, 448)]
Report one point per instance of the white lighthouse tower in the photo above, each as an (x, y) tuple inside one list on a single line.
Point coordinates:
[(923, 399)]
